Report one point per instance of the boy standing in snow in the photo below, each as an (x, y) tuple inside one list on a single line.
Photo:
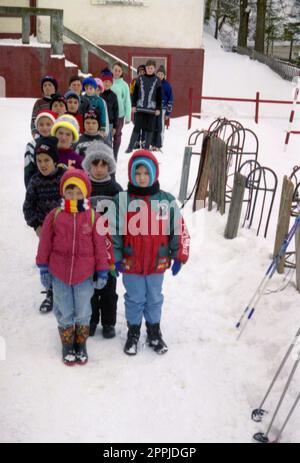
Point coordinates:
[(44, 121), (42, 194), (111, 101), (66, 130), (146, 104), (70, 252), (100, 166), (95, 101), (58, 104), (149, 233), (49, 87), (73, 101), (75, 85), (91, 132)]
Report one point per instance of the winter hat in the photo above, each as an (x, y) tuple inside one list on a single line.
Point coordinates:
[(47, 145), (99, 84), (141, 67), (106, 74), (92, 114), (162, 69), (58, 97), (99, 151), (71, 94), (45, 113), (68, 122), (78, 178), (89, 81), (49, 79), (147, 159)]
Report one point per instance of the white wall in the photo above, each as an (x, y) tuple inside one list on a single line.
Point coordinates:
[(12, 25), (163, 23)]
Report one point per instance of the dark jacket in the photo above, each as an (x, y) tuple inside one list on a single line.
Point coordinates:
[(103, 191), (30, 167), (42, 196), (167, 97), (84, 106), (84, 142), (111, 101), (147, 95)]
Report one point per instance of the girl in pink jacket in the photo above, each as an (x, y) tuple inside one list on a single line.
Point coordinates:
[(70, 252)]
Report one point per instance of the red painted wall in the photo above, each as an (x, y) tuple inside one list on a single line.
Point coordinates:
[(185, 69), (24, 67)]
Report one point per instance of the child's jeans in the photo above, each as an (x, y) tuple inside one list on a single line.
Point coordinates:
[(72, 304), (143, 297)]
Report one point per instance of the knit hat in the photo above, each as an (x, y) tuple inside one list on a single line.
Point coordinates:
[(141, 67), (147, 159), (106, 74), (78, 178), (47, 145), (58, 97), (68, 122), (45, 113), (71, 94), (92, 114), (99, 84), (49, 79), (161, 69), (89, 81), (99, 151)]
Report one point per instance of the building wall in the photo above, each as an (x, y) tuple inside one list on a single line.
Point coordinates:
[(163, 23)]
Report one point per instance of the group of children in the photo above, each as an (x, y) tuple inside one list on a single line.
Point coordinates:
[(89, 229)]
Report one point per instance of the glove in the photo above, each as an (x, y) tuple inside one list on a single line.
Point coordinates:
[(45, 277), (102, 278), (118, 269), (176, 267)]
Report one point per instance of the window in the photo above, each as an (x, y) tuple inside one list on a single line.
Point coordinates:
[(138, 60)]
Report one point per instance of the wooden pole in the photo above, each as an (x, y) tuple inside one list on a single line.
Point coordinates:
[(236, 205)]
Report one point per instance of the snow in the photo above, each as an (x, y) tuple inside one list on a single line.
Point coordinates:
[(18, 42), (205, 387)]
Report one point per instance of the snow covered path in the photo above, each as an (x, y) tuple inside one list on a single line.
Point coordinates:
[(204, 389)]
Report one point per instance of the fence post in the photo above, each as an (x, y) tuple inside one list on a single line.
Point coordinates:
[(26, 29), (190, 107), (185, 174), (84, 59), (236, 205), (283, 222), (257, 107)]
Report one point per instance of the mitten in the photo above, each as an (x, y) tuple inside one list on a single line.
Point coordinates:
[(102, 278), (176, 267)]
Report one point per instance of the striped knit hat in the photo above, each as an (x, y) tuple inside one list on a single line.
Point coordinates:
[(78, 178), (45, 113), (68, 122), (146, 159)]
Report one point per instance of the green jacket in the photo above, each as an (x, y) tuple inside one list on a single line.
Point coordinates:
[(121, 89)]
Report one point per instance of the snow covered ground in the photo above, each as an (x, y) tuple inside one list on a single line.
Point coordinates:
[(204, 389)]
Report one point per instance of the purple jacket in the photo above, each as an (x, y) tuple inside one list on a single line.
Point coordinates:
[(69, 155), (71, 247)]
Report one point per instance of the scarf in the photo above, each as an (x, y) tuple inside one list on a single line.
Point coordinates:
[(73, 206), (148, 191)]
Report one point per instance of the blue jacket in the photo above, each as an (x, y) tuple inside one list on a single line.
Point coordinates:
[(167, 97)]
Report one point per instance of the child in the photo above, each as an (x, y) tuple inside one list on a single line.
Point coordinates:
[(100, 165), (144, 253), (75, 85), (58, 104), (66, 130), (146, 104), (49, 87), (111, 101), (100, 86), (141, 71), (121, 89), (70, 252), (42, 194), (43, 124), (91, 132), (73, 101), (96, 102), (167, 108)]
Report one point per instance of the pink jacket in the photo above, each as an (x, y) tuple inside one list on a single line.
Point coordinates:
[(71, 247)]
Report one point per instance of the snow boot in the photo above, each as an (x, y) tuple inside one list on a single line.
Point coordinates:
[(67, 339), (133, 337), (93, 327), (154, 338), (47, 304), (81, 335), (108, 331)]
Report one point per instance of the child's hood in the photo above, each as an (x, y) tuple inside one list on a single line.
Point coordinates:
[(143, 154)]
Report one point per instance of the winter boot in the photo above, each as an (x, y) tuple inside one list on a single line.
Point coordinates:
[(108, 331), (154, 338), (93, 327), (67, 339), (133, 337), (47, 304), (81, 335)]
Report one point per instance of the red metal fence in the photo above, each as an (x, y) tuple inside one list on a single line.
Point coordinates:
[(257, 101)]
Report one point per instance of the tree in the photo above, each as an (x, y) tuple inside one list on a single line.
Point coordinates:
[(260, 26), (244, 23), (207, 14)]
